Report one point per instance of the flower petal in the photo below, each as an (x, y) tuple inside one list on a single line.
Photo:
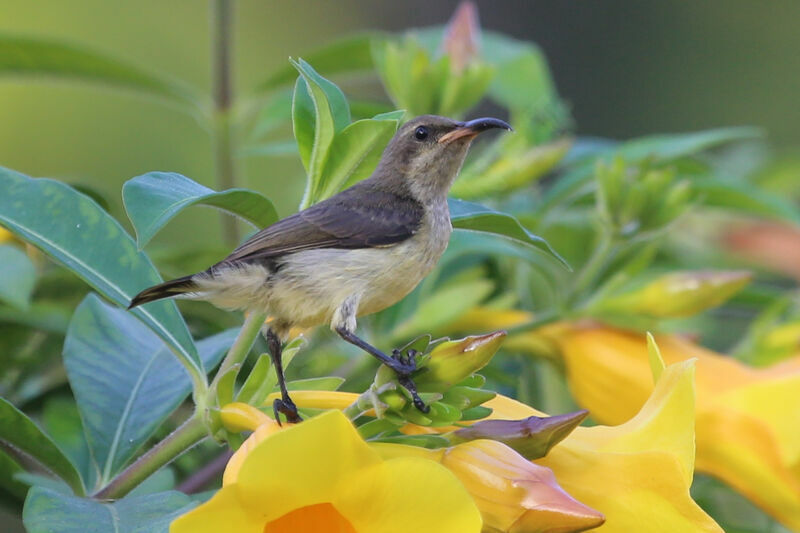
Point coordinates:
[(223, 512), (407, 494), (302, 465)]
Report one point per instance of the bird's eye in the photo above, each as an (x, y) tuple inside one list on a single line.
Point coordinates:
[(421, 133)]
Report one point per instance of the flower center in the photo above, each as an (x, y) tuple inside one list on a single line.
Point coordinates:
[(311, 519)]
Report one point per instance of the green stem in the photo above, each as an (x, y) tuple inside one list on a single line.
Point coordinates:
[(221, 30), (184, 437), (594, 265), (239, 350), (353, 411)]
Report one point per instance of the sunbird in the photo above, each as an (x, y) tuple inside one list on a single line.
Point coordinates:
[(353, 254)]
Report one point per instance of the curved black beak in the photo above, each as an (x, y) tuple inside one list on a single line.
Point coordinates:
[(472, 128)]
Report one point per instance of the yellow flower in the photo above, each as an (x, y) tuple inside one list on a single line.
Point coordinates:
[(5, 235), (638, 473), (512, 494), (748, 419), (635, 473), (321, 476)]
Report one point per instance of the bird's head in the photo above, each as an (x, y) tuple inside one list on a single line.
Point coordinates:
[(426, 153)]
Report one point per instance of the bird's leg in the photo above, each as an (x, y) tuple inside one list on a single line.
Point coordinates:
[(403, 367), (285, 405)]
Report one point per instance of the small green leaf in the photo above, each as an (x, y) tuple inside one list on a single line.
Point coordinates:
[(330, 115), (329, 383), (304, 120), (153, 199), (79, 234), (289, 351), (30, 56), (18, 278), (48, 511), (354, 154), (253, 391), (124, 380), (226, 385), (30, 447), (351, 54), (423, 441), (475, 217)]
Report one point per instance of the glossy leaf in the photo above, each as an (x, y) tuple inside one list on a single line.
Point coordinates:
[(62, 421), (350, 54), (304, 121), (48, 511), (153, 199), (80, 235), (124, 379), (475, 217), (354, 154), (32, 449), (35, 57), (18, 276)]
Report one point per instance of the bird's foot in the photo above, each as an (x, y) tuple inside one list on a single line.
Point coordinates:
[(287, 407), (404, 366)]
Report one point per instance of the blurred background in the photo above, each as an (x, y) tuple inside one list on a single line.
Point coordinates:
[(624, 68)]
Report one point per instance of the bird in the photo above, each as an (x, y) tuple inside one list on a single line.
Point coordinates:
[(350, 255)]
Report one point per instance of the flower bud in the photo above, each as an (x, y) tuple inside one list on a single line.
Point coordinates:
[(452, 361), (679, 294), (531, 437)]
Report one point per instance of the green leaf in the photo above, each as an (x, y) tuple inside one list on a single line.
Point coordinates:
[(32, 449), (658, 148), (252, 391), (153, 199), (79, 234), (354, 154), (35, 57), (475, 217), (18, 278), (276, 112), (331, 114), (124, 380), (48, 511), (351, 54), (328, 383), (339, 108), (9, 470), (745, 197), (61, 420), (304, 119)]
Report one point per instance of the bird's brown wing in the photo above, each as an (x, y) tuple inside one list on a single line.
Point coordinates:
[(355, 218)]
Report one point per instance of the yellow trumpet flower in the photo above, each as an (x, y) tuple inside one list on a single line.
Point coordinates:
[(636, 473), (321, 476), (748, 419)]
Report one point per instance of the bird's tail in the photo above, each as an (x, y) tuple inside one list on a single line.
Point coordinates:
[(164, 290)]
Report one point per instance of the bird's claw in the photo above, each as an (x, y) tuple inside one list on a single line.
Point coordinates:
[(404, 366), (288, 409)]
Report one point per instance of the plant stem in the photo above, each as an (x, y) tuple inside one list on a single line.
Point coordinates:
[(184, 437), (222, 32), (594, 265)]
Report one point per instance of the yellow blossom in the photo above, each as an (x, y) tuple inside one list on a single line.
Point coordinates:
[(748, 428), (321, 476), (635, 473)]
